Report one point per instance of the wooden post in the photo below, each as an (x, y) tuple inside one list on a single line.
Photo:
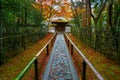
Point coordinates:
[(51, 42), (84, 71), (36, 69), (68, 43), (71, 49), (66, 39), (47, 50)]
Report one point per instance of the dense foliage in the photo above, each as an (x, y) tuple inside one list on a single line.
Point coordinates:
[(103, 34), (21, 25)]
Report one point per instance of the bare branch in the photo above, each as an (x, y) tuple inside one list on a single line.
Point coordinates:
[(91, 11), (100, 11), (103, 6)]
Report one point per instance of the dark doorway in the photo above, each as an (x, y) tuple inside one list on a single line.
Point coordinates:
[(60, 27)]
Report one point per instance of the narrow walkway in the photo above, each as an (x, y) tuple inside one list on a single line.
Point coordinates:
[(60, 65)]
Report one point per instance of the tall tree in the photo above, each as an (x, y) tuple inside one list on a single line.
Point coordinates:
[(84, 15), (97, 16), (100, 5)]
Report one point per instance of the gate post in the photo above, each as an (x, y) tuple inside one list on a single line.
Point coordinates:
[(68, 43), (84, 71), (71, 49), (47, 50), (36, 69)]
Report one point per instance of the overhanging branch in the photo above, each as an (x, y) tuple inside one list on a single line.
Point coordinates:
[(100, 11)]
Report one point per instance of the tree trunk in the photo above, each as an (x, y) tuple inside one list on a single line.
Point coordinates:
[(84, 19), (18, 22), (1, 34), (88, 14), (25, 14), (25, 23), (110, 13), (96, 37)]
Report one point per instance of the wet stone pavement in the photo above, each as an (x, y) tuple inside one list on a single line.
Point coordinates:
[(60, 65)]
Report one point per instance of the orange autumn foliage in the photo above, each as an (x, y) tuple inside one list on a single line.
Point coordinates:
[(56, 8)]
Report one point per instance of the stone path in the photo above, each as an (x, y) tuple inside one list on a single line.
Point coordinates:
[(60, 65)]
